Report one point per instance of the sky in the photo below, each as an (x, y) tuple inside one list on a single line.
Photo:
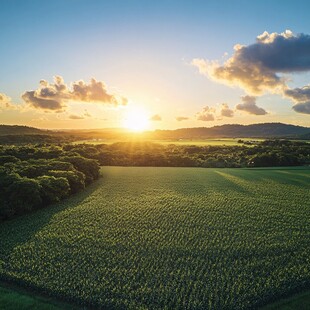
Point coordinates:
[(154, 64)]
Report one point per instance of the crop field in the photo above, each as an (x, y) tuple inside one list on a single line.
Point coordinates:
[(198, 142), (168, 238), (205, 142)]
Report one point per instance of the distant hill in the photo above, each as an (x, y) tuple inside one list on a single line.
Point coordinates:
[(15, 134), (20, 130), (265, 130)]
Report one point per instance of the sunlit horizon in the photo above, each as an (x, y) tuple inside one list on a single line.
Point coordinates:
[(136, 120), (174, 60)]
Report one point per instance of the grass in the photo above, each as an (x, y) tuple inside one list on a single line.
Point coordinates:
[(156, 238), (203, 142), (198, 142)]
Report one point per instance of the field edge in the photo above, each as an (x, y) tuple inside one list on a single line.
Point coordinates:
[(34, 298)]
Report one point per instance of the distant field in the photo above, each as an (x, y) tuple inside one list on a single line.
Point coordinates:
[(201, 142), (204, 142), (198, 142), (154, 238)]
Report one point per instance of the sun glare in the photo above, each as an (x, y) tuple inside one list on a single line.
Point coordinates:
[(136, 120)]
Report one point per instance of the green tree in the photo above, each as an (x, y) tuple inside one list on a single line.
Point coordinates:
[(53, 189)]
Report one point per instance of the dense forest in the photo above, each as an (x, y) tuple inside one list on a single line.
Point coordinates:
[(36, 175), (267, 153)]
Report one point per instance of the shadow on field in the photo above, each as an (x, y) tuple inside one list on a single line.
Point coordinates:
[(17, 231), (297, 176), (234, 182)]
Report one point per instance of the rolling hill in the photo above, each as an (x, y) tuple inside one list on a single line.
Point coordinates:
[(265, 130), (20, 130)]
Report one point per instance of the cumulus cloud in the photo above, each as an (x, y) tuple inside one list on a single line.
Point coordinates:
[(182, 118), (226, 111), (303, 107), (5, 102), (256, 67), (285, 52), (248, 105), (55, 96), (156, 117), (207, 114), (38, 101), (94, 91), (300, 96), (4, 98)]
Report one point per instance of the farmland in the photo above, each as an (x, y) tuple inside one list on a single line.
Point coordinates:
[(154, 238), (198, 142)]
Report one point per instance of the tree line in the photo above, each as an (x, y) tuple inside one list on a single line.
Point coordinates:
[(268, 153), (36, 175)]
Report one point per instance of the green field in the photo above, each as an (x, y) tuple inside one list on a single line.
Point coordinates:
[(198, 142), (156, 238), (205, 142)]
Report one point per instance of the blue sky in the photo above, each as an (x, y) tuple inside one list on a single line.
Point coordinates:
[(141, 50)]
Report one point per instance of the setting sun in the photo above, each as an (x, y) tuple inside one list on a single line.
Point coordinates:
[(155, 154), (136, 120)]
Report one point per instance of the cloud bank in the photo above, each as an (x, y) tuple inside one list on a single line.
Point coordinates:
[(259, 67), (255, 67), (55, 96)]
